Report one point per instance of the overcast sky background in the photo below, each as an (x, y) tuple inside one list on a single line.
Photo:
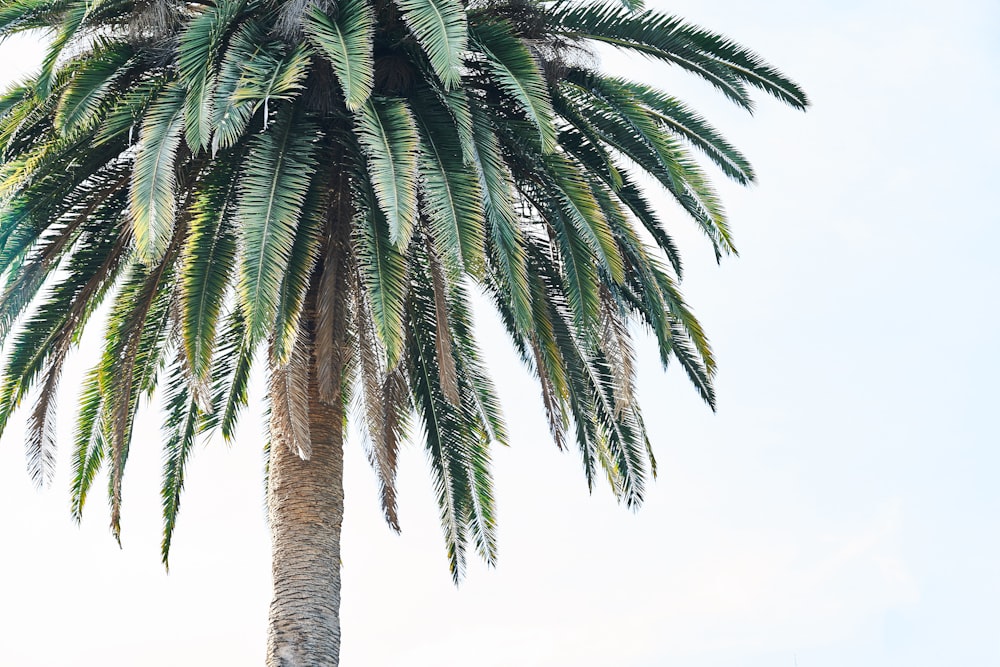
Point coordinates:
[(840, 509)]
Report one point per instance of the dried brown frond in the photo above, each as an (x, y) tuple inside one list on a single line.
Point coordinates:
[(396, 399), (331, 316), (154, 22), (288, 21), (443, 343), (386, 401), (289, 396)]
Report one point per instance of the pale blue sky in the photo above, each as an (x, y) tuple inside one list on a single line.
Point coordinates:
[(840, 509)]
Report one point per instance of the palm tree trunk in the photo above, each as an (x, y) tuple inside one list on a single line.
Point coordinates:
[(305, 501)]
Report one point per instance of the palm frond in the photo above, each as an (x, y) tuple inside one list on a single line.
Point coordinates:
[(648, 103), (388, 134), (383, 271), (101, 203), (443, 343), (441, 30), (506, 237), (289, 399), (40, 440), (456, 440), (346, 42), (89, 447), (55, 323), (273, 190), (615, 344), (181, 431), (580, 207), (207, 264), (452, 199), (272, 74), (386, 405), (519, 75), (82, 99), (137, 329), (722, 62), (198, 49), (633, 132), (66, 30), (231, 366), (302, 263), (456, 104), (20, 15), (152, 194), (117, 125), (231, 116)]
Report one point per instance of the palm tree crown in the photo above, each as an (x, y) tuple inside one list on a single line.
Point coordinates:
[(318, 186)]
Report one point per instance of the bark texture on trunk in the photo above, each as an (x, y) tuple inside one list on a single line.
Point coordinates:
[(306, 508)]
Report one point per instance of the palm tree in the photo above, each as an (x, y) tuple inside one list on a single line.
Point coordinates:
[(316, 186)]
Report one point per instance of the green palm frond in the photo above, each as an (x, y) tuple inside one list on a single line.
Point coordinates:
[(118, 124), (273, 190), (181, 430), (678, 118), (82, 98), (457, 439), (271, 73), (40, 441), (646, 104), (452, 200), (582, 282), (89, 447), (506, 237), (578, 204), (388, 134), (234, 354), (198, 49), (518, 75), (68, 25), (53, 325), (616, 179), (31, 264), (304, 255), (456, 104), (632, 132), (441, 30), (383, 270), (89, 276), (347, 44), (20, 15), (134, 347), (446, 466), (718, 60), (472, 369), (207, 265), (154, 178), (230, 116)]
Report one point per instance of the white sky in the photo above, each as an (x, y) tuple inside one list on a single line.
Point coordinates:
[(840, 509)]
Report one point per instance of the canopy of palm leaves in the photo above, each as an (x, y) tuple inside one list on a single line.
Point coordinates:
[(211, 170)]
